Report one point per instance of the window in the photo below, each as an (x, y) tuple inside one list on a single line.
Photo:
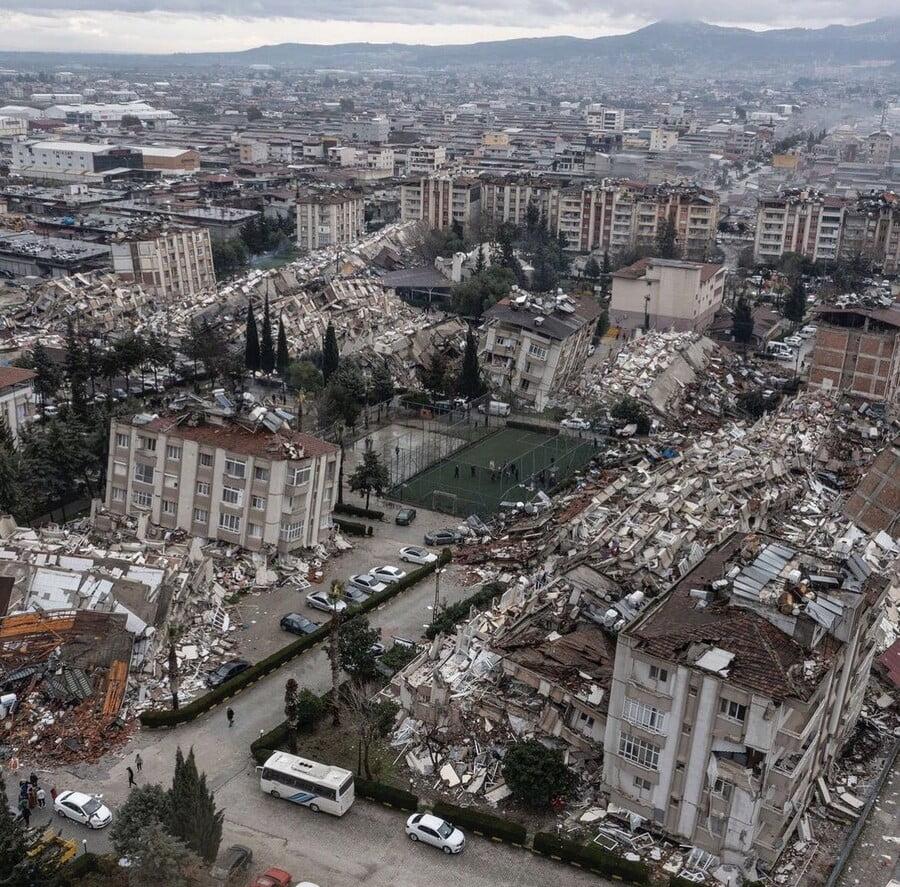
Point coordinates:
[(254, 531), (143, 473), (642, 785), (538, 352), (260, 473), (202, 488), (717, 825), (257, 502), (230, 522), (722, 788), (141, 499), (642, 715), (235, 468), (659, 674), (299, 476), (292, 531), (232, 496), (734, 711), (171, 480), (173, 452), (639, 751), (201, 515), (119, 468), (122, 439), (206, 460), (585, 719), (168, 506), (149, 444), (118, 494)]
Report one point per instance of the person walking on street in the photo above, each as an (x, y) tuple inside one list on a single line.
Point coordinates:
[(33, 778), (53, 794), (131, 781), (138, 762), (41, 798), (230, 715), (26, 815), (32, 797)]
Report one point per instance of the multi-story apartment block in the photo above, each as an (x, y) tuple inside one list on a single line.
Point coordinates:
[(16, 398), (878, 147), (666, 293), (12, 127), (441, 200), (225, 478), (734, 691), (329, 219), (603, 119), (172, 263), (425, 159), (826, 228), (531, 347)]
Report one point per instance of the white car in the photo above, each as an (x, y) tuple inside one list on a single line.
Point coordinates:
[(388, 574), (412, 554), (82, 808), (368, 583), (319, 600), (435, 831), (808, 331), (794, 341), (576, 423)]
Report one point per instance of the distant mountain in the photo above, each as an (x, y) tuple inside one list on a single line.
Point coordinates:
[(687, 45)]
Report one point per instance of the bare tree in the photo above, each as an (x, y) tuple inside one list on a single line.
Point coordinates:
[(371, 719), (174, 676), (334, 595)]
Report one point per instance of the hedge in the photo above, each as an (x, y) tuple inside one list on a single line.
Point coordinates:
[(74, 871), (352, 527), (263, 746), (386, 794), (356, 511), (169, 718), (481, 600), (592, 857), (484, 823)]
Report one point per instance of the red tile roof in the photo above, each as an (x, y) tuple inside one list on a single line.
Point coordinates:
[(10, 376)]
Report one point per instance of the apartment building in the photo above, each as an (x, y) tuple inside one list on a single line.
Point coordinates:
[(16, 398), (329, 219), (425, 159), (226, 478), (441, 200), (531, 348), (668, 294), (858, 353), (602, 119), (878, 147), (172, 263), (827, 228), (12, 127), (735, 690)]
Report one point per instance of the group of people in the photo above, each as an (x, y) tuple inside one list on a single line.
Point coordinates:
[(32, 796)]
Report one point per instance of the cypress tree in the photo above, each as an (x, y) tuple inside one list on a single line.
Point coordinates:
[(251, 345), (282, 357), (194, 818), (266, 348), (331, 355), (470, 383)]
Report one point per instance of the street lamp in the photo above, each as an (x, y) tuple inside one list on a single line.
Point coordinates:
[(647, 308)]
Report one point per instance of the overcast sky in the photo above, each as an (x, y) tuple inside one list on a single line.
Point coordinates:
[(186, 25)]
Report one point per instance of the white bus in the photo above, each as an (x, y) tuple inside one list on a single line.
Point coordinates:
[(317, 786)]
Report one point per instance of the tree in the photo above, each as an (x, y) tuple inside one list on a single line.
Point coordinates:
[(76, 371), (480, 291), (165, 861), (537, 775), (129, 121), (344, 396), (591, 269), (666, 246), (371, 475), (602, 324), (193, 817), (282, 357), (631, 412), (146, 806), (302, 710), (433, 375), (174, 677), (382, 382), (229, 257), (266, 348), (742, 321), (253, 113), (302, 375), (46, 375), (355, 652), (251, 342), (10, 472), (372, 718), (795, 304), (16, 868), (331, 355), (470, 384), (334, 639)]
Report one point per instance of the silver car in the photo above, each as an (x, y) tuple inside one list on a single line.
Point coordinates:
[(319, 600), (367, 582)]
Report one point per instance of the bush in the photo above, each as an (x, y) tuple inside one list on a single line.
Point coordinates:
[(169, 718), (527, 426), (386, 794), (352, 528), (74, 871), (481, 600), (263, 746), (356, 511), (398, 657), (592, 857), (536, 774), (485, 823)]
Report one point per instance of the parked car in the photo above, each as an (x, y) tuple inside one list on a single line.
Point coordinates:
[(495, 408), (442, 537), (808, 331), (412, 554), (83, 808), (576, 423), (273, 877), (367, 583), (354, 595), (296, 623), (388, 574), (225, 672), (319, 600), (405, 516), (120, 394), (435, 831), (794, 341), (231, 865), (377, 649)]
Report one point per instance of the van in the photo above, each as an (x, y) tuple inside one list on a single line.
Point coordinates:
[(495, 408)]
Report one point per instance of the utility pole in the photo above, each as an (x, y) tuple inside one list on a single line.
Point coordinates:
[(437, 594)]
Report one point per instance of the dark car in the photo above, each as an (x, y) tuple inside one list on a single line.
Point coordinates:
[(297, 624), (225, 672), (442, 537), (232, 865), (405, 516)]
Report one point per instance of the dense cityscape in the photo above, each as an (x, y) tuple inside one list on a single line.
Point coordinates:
[(474, 463)]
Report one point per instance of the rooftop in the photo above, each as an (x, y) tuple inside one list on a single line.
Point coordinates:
[(11, 376), (551, 317)]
